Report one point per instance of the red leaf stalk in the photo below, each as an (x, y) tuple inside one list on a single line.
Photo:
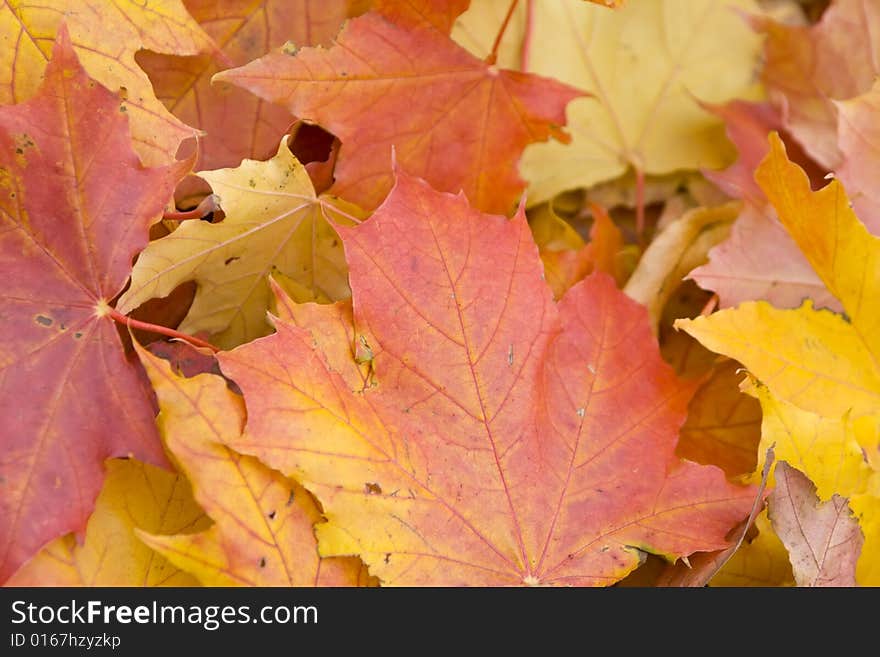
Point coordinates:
[(119, 318), (493, 56)]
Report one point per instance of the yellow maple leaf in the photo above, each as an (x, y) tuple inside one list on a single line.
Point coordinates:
[(820, 361), (818, 378), (275, 223), (647, 66), (135, 496), (106, 37)]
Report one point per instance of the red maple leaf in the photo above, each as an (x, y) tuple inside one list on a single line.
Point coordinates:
[(75, 207)]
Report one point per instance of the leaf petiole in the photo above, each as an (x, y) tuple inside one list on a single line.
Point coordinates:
[(640, 205), (493, 56), (119, 318)]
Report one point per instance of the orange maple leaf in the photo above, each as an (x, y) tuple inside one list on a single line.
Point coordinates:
[(509, 440), (456, 120)]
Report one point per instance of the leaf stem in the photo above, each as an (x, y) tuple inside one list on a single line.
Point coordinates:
[(525, 51), (493, 56), (710, 306), (209, 204), (640, 205), (119, 318)]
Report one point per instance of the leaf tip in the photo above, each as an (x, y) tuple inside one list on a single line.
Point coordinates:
[(682, 323)]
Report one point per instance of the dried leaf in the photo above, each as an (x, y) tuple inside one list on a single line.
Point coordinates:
[(676, 251), (818, 375), (760, 261), (823, 539), (806, 68)]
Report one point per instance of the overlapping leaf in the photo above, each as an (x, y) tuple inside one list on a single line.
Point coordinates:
[(676, 250), (818, 373), (501, 439), (646, 65), (807, 68), (823, 538), (763, 561), (106, 37), (135, 496), (406, 86), (567, 259), (815, 359), (237, 124), (264, 531), (275, 223), (759, 260), (75, 207), (819, 80), (860, 152)]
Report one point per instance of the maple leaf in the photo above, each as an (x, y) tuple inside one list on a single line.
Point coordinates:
[(135, 495), (759, 260), (807, 68), (646, 67), (818, 374), (237, 124), (106, 37), (490, 444), (832, 453), (700, 570), (274, 223), (264, 531), (407, 86), (823, 538), (747, 125), (436, 14), (74, 210), (826, 450), (806, 356)]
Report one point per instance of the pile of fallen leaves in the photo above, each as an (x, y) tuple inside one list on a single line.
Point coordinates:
[(439, 292)]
